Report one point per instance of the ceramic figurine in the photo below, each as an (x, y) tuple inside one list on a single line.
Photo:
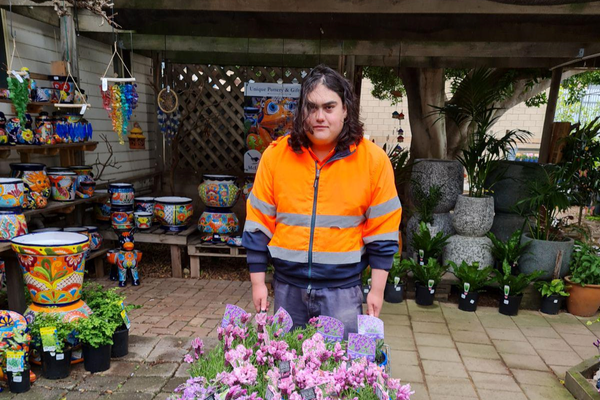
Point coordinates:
[(126, 260)]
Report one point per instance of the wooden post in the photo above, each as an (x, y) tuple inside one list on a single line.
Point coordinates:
[(99, 266), (176, 268), (549, 118), (14, 285)]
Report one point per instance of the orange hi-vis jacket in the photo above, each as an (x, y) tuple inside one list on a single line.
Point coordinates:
[(322, 222)]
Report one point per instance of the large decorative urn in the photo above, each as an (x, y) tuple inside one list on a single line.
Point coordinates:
[(53, 265), (219, 193), (173, 212), (37, 184)]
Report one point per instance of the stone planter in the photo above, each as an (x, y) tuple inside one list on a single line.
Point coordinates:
[(473, 216), (576, 380), (541, 255), (446, 173), (469, 249), (441, 223), (506, 224), (511, 183)]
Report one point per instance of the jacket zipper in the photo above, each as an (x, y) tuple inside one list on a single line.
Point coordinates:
[(312, 224)]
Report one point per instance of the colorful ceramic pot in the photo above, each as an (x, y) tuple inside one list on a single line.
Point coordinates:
[(85, 189), (121, 194), (13, 130), (121, 217), (44, 131), (26, 136), (84, 174), (247, 188), (173, 213), (53, 265), (96, 238), (12, 223), (102, 208), (63, 185), (216, 221), (145, 204), (12, 192), (3, 137), (51, 229), (219, 191), (10, 320), (143, 220), (37, 184)]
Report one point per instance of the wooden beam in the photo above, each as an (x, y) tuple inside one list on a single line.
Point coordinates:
[(549, 118), (372, 6)]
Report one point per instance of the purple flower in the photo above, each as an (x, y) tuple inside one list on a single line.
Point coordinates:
[(300, 336), (188, 359)]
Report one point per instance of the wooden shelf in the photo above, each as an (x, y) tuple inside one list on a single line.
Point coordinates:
[(56, 206), (64, 149)]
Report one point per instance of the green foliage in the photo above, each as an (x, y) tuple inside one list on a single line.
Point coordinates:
[(400, 159), (19, 95), (576, 85), (585, 265), (510, 251), (554, 287), (95, 330), (432, 247), (516, 283), (399, 269), (426, 200), (51, 319), (430, 271), (385, 80), (106, 303), (472, 274)]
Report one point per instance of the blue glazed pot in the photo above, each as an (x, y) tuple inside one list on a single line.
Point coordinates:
[(121, 194)]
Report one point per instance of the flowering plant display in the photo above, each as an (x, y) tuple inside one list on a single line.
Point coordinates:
[(262, 358)]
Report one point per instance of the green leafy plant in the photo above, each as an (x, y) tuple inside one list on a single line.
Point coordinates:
[(426, 200), (398, 270), (19, 95), (433, 270), (106, 303), (585, 264), (516, 283), (95, 331), (471, 273), (432, 247), (510, 251), (554, 287), (49, 319)]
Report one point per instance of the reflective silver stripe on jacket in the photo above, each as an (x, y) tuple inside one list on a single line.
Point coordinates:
[(319, 257), (382, 236), (262, 206), (384, 208), (252, 226), (321, 221)]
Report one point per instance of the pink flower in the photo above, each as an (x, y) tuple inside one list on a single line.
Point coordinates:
[(261, 318), (188, 359)]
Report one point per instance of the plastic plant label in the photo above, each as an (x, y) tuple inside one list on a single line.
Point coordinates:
[(284, 369), (398, 288), (463, 296), (233, 315), (366, 290), (472, 301), (60, 356), (421, 257), (331, 328), (430, 283), (210, 397), (506, 301), (361, 346), (466, 287), (283, 320), (49, 339), (125, 319), (380, 392), (15, 361), (370, 326), (269, 395), (17, 378), (506, 290), (555, 301), (104, 84), (308, 394), (396, 281), (369, 282)]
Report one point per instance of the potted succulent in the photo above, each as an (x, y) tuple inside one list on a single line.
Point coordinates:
[(427, 276), (51, 334), (512, 287), (395, 286), (95, 333), (510, 251), (15, 358), (366, 283), (427, 246), (552, 293), (472, 280), (584, 281)]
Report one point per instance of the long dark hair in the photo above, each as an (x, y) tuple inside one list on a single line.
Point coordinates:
[(352, 132)]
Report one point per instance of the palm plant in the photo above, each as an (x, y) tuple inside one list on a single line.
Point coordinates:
[(398, 270), (510, 251), (430, 247), (432, 271), (471, 273), (516, 283), (426, 200)]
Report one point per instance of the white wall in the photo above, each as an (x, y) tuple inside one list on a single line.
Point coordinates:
[(37, 46)]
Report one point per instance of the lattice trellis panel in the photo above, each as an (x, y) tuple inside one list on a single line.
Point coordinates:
[(212, 104)]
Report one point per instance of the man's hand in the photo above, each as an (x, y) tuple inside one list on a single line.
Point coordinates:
[(260, 293), (375, 296)]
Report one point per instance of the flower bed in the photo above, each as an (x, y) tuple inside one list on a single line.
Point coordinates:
[(267, 360)]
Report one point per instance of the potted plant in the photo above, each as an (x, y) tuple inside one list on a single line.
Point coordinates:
[(510, 251), (366, 283), (584, 281), (472, 280), (95, 334), (427, 276), (395, 285), (512, 287), (15, 356), (51, 335), (552, 293), (427, 246)]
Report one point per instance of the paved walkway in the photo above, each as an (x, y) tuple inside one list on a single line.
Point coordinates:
[(443, 352)]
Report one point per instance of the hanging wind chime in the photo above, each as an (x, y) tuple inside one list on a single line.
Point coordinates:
[(119, 99), (167, 111)]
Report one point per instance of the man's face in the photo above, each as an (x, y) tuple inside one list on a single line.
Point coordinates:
[(326, 116)]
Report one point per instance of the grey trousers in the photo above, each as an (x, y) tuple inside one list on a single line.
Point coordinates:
[(343, 304)]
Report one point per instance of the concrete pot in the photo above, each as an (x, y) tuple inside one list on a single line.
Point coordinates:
[(448, 174), (469, 249), (506, 224), (541, 256), (511, 183), (441, 223), (473, 216)]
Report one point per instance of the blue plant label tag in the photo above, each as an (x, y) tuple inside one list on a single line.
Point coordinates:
[(308, 394), (126, 319)]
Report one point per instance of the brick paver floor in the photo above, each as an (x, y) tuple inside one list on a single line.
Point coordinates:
[(443, 352)]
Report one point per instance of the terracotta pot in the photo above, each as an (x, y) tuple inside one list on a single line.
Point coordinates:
[(583, 301)]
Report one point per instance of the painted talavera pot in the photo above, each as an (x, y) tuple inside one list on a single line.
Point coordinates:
[(63, 185), (143, 220), (12, 192), (473, 216), (96, 238), (173, 213), (144, 204), (247, 188), (85, 189), (121, 194), (13, 130), (102, 208), (219, 191), (10, 320), (53, 265), (121, 217), (216, 221), (37, 184), (12, 223)]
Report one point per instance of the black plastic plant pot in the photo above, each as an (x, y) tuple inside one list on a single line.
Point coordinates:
[(120, 347), (424, 296), (394, 294), (551, 304), (96, 359), (365, 291), (468, 302), (510, 306), (56, 365), (18, 382)]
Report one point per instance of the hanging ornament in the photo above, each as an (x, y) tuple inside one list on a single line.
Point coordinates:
[(168, 123)]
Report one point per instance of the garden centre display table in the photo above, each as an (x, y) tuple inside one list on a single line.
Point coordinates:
[(197, 249)]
